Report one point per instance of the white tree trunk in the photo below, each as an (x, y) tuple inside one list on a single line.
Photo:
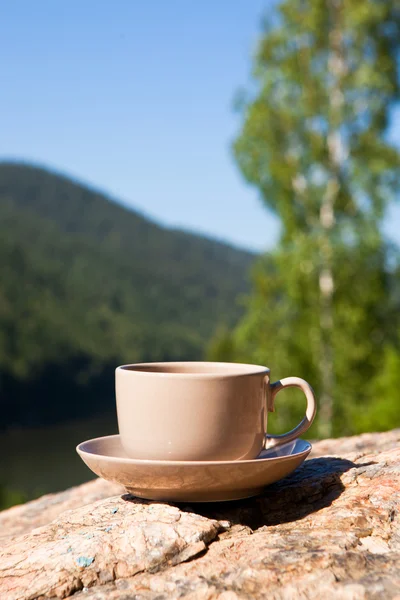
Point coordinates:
[(336, 153)]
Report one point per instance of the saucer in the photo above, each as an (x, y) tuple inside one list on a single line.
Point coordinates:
[(191, 481)]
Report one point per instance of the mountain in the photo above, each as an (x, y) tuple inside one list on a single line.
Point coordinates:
[(86, 284)]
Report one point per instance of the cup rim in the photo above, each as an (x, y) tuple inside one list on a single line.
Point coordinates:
[(217, 369)]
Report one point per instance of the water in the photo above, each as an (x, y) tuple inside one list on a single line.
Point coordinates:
[(37, 461)]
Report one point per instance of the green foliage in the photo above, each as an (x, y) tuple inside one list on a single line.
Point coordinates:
[(9, 497), (86, 284), (325, 304), (383, 413)]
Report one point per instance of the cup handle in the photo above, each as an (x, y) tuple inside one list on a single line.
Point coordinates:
[(274, 388)]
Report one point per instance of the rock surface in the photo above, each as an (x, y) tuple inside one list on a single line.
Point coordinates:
[(330, 530), (25, 517)]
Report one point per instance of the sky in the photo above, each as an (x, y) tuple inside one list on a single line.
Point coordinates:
[(136, 99)]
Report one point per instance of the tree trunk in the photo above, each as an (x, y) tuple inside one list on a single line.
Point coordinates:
[(326, 287), (336, 151)]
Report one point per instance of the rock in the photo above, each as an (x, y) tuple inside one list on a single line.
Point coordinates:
[(98, 543), (330, 530), (25, 517), (360, 444)]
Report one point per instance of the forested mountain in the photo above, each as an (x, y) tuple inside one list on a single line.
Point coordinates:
[(86, 284)]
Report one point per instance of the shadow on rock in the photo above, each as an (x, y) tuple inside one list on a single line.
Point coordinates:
[(313, 486)]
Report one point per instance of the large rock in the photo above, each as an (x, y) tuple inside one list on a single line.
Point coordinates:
[(331, 530)]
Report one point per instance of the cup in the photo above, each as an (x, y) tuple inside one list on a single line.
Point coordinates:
[(200, 411)]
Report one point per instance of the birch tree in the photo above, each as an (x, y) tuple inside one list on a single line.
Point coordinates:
[(313, 141)]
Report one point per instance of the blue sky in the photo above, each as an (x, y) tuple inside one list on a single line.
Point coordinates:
[(136, 99)]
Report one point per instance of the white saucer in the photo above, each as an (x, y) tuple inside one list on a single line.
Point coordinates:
[(194, 481)]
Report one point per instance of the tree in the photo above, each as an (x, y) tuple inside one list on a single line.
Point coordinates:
[(313, 143)]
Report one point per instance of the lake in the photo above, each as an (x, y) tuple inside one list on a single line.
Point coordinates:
[(36, 461)]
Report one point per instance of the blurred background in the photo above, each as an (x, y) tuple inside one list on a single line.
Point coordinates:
[(194, 181)]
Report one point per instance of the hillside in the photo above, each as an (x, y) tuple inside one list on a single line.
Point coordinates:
[(86, 284)]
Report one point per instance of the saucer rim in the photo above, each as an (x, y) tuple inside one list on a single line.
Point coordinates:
[(185, 463)]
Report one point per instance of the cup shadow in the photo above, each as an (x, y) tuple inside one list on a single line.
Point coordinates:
[(313, 486)]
